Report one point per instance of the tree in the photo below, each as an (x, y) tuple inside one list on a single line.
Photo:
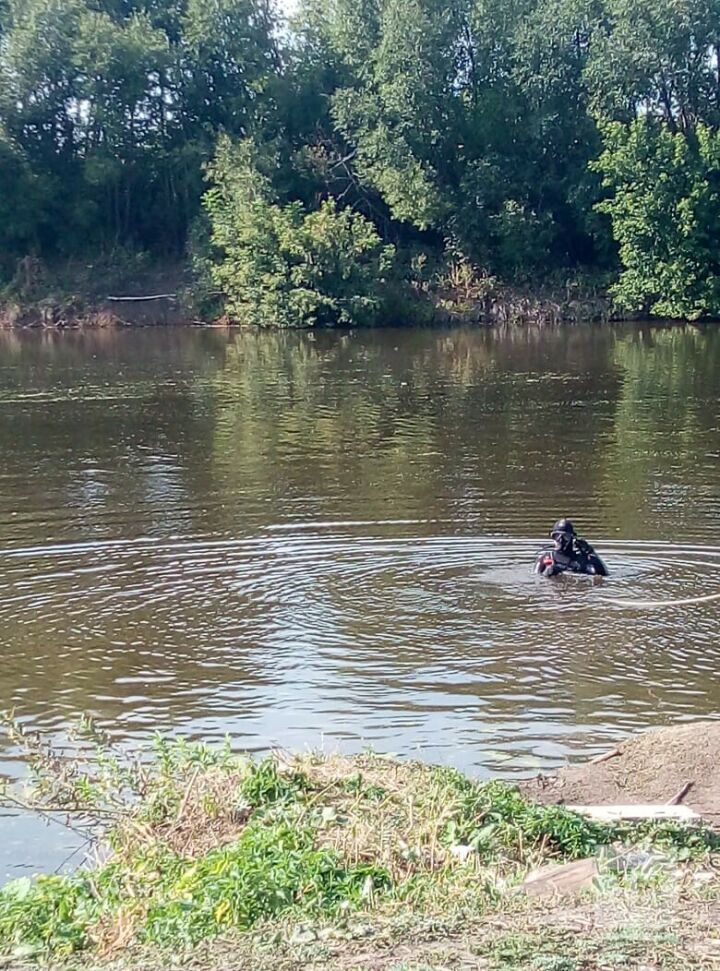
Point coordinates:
[(657, 60), (116, 104), (665, 212), (404, 118), (278, 265), (21, 206), (470, 121)]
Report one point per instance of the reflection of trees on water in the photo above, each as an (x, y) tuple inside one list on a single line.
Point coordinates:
[(378, 425), (664, 449), (95, 430), (660, 480), (220, 428), (105, 434)]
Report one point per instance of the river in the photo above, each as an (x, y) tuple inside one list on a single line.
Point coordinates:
[(325, 540)]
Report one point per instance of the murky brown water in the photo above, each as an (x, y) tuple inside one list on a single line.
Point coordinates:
[(326, 540)]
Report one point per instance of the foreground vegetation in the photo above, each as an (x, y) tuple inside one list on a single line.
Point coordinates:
[(302, 858), (349, 165)]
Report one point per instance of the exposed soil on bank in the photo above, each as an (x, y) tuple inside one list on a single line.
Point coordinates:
[(97, 296), (624, 932), (652, 768)]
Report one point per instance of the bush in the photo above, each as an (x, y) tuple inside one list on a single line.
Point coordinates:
[(278, 265), (665, 212)]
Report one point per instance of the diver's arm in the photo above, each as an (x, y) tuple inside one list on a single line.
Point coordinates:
[(598, 568), (545, 564), (597, 564)]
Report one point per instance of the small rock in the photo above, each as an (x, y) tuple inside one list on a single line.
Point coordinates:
[(569, 878), (462, 852), (303, 935)]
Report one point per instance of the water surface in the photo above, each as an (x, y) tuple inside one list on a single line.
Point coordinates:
[(325, 539)]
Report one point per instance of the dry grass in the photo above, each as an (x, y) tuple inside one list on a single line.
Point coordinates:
[(381, 811), (208, 816)]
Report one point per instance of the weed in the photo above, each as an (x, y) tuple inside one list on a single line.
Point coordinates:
[(264, 784), (268, 870)]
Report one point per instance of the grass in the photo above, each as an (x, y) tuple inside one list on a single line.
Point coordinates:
[(304, 860), (629, 947)]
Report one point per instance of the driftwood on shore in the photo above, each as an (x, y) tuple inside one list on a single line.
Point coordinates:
[(568, 878), (605, 757), (153, 296), (652, 811), (678, 797)]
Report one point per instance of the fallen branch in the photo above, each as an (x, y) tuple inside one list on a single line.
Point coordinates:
[(678, 798), (605, 757), (47, 810), (154, 296)]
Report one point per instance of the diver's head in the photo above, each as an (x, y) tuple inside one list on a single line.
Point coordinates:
[(563, 533)]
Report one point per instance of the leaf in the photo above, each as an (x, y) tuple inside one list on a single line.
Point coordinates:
[(19, 889)]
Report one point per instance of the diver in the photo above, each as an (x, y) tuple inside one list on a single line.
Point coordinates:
[(571, 554)]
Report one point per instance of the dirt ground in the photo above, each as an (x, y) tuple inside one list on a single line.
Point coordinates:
[(80, 297), (567, 937), (652, 768)]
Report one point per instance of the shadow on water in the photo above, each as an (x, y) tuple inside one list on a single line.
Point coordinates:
[(327, 539)]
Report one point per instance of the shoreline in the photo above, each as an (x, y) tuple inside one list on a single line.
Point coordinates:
[(365, 862), (141, 295), (511, 309)]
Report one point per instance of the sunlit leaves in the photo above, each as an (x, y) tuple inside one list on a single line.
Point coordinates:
[(665, 211), (279, 265)]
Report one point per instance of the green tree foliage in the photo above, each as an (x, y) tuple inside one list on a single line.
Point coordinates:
[(116, 104), (282, 266), (470, 120), (21, 204), (465, 127), (665, 210), (658, 60), (654, 73)]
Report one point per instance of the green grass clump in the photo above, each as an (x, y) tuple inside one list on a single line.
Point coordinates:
[(49, 913), (264, 784), (272, 868), (495, 819)]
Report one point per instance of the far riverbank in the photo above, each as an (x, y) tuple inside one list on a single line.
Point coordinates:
[(129, 291)]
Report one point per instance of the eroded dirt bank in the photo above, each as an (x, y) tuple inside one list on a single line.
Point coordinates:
[(651, 768)]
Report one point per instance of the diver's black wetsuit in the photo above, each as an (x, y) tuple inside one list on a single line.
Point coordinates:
[(551, 563), (570, 554)]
